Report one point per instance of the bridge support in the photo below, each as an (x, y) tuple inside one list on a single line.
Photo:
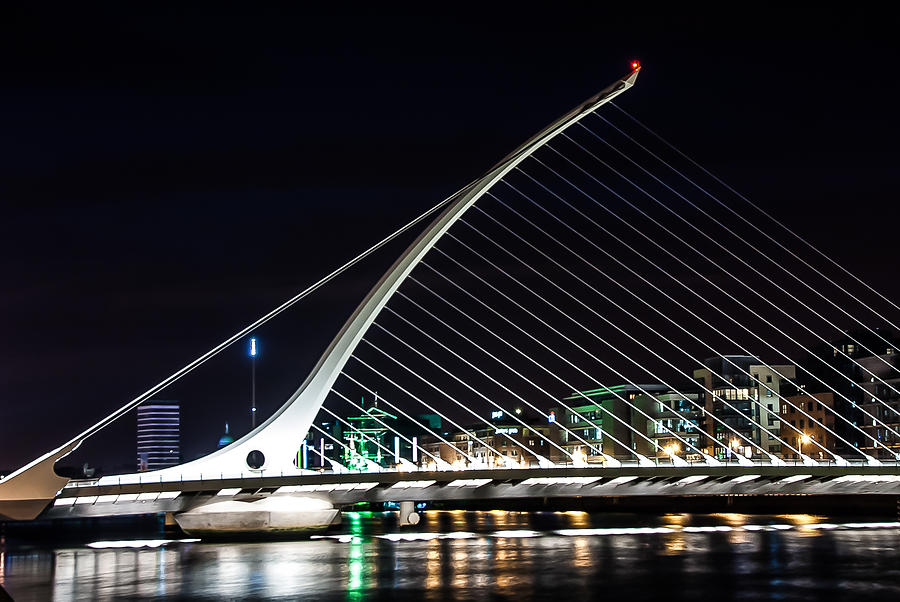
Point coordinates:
[(408, 514), (278, 514)]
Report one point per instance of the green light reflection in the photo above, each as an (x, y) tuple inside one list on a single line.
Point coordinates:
[(356, 561)]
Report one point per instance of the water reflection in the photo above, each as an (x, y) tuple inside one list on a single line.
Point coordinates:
[(674, 543), (502, 555)]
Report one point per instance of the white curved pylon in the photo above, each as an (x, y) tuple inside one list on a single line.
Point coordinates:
[(279, 437)]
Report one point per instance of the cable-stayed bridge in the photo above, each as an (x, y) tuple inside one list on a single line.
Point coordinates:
[(507, 352)]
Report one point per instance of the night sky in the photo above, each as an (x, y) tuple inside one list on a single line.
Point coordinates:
[(168, 175)]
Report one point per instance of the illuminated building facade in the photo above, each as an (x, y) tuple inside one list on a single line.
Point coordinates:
[(743, 394), (158, 434), (612, 419), (811, 412), (676, 418), (520, 444)]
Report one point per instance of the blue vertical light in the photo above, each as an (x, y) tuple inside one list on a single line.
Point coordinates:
[(253, 347)]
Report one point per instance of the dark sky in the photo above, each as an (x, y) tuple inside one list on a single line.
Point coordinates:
[(169, 174)]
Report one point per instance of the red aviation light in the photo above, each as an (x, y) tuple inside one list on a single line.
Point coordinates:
[(635, 65)]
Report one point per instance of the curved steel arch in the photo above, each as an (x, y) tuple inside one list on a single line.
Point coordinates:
[(279, 437)]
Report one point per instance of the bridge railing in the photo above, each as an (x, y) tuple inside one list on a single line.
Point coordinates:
[(151, 478)]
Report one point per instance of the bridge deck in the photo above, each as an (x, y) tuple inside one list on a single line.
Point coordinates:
[(81, 499)]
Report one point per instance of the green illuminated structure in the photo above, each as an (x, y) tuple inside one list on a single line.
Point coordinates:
[(367, 439)]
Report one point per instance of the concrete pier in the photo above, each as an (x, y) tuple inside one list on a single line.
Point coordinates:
[(408, 514), (271, 515)]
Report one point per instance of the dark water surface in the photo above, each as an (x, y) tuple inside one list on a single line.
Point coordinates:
[(455, 555)]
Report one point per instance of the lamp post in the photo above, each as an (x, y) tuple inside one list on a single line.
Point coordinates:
[(672, 449), (804, 438), (253, 353)]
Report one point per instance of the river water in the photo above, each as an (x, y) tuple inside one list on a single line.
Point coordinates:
[(457, 555)]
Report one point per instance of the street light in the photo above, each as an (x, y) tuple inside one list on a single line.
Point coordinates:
[(671, 449), (804, 438), (253, 352), (579, 457)]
